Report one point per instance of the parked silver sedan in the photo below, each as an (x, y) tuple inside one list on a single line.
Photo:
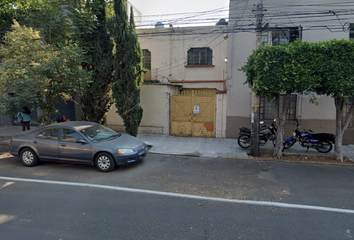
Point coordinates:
[(78, 142)]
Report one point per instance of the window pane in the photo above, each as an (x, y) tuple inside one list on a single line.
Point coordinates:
[(147, 59), (196, 59), (51, 134), (71, 135), (351, 31), (203, 58), (199, 56)]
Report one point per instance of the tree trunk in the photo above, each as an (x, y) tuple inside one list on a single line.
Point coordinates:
[(278, 146), (278, 150), (340, 128), (339, 134)]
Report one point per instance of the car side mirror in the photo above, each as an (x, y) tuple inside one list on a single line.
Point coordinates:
[(82, 141)]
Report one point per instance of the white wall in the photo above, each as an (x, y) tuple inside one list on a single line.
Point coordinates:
[(281, 13)]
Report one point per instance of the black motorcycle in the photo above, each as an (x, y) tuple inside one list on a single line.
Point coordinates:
[(266, 133), (322, 142)]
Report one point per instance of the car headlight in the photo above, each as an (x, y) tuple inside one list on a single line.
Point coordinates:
[(125, 151)]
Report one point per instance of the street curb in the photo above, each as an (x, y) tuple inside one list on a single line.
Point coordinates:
[(266, 160)]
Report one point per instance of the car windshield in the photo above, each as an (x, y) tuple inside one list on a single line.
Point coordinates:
[(98, 132)]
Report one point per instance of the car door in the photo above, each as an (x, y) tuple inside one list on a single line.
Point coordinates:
[(46, 143), (74, 147)]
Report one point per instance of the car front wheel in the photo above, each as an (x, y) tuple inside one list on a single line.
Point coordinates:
[(104, 162), (28, 157)]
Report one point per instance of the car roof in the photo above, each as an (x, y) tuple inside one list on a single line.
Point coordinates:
[(78, 125)]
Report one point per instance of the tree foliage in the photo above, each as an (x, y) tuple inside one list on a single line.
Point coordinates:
[(128, 74), (301, 67), (335, 69), (45, 16), (91, 32), (283, 69), (37, 72)]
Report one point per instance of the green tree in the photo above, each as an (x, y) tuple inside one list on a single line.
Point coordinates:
[(128, 74), (37, 72), (7, 14), (282, 69), (91, 32), (335, 69), (46, 16)]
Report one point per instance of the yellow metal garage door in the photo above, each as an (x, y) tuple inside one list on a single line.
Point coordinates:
[(192, 113)]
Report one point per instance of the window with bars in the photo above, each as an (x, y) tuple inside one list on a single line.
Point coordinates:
[(200, 56), (147, 59), (267, 108)]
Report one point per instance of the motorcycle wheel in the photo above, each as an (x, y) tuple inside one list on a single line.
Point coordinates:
[(244, 141), (289, 144), (324, 147)]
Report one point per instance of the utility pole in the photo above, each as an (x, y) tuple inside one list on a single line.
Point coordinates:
[(255, 115)]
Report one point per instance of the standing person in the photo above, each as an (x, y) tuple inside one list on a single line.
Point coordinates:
[(25, 116)]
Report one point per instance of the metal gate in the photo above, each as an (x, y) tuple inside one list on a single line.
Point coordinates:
[(192, 113)]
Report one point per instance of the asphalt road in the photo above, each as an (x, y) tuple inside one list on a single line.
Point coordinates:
[(171, 197)]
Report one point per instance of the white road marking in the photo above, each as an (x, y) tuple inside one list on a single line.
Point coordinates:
[(133, 190)]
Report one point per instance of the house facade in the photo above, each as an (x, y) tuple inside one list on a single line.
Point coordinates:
[(184, 92), (282, 21)]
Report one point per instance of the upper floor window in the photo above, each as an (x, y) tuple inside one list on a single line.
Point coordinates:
[(267, 108), (351, 31), (200, 56), (147, 59), (284, 35)]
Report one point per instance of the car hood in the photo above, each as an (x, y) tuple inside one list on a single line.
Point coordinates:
[(123, 141)]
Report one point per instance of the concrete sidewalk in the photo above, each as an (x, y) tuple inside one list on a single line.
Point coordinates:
[(203, 147)]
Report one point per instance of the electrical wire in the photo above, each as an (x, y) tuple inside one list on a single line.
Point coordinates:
[(273, 12), (332, 16)]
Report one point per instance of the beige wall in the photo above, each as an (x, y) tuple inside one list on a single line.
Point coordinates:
[(154, 99), (169, 46), (242, 40)]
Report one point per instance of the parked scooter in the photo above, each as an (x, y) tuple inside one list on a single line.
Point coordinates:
[(322, 142), (266, 133)]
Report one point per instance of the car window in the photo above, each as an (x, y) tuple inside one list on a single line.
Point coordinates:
[(51, 134), (70, 135), (98, 132)]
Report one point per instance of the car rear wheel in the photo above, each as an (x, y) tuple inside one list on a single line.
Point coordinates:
[(28, 157), (324, 147), (244, 141), (104, 162)]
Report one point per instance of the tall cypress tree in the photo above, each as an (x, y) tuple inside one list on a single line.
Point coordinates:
[(128, 75), (96, 99)]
